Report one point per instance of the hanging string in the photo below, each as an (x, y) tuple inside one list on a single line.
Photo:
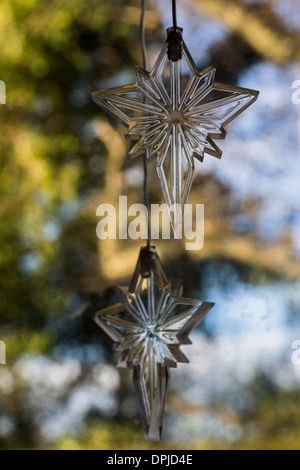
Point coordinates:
[(142, 34), (174, 13), (174, 38), (145, 66)]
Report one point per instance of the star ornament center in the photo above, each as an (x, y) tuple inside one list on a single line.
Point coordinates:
[(176, 116), (151, 322)]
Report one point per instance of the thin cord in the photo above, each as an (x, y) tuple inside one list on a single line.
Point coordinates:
[(146, 199), (145, 66), (142, 34), (174, 13)]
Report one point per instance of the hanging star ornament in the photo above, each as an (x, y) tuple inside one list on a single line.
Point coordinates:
[(175, 112), (148, 325)]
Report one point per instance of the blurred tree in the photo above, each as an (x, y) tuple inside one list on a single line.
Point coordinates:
[(58, 162)]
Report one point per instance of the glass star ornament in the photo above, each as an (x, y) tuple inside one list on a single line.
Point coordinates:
[(175, 112), (148, 325)]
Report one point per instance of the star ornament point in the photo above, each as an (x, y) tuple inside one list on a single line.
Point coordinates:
[(149, 325), (175, 113)]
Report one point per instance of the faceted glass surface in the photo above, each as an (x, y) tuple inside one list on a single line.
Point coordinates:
[(148, 326), (175, 112)]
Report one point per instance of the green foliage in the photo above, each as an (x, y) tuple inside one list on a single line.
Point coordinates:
[(51, 58)]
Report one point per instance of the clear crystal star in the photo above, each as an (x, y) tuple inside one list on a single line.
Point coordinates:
[(175, 112), (149, 324)]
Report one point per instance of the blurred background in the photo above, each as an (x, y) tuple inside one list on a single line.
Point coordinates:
[(61, 157)]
